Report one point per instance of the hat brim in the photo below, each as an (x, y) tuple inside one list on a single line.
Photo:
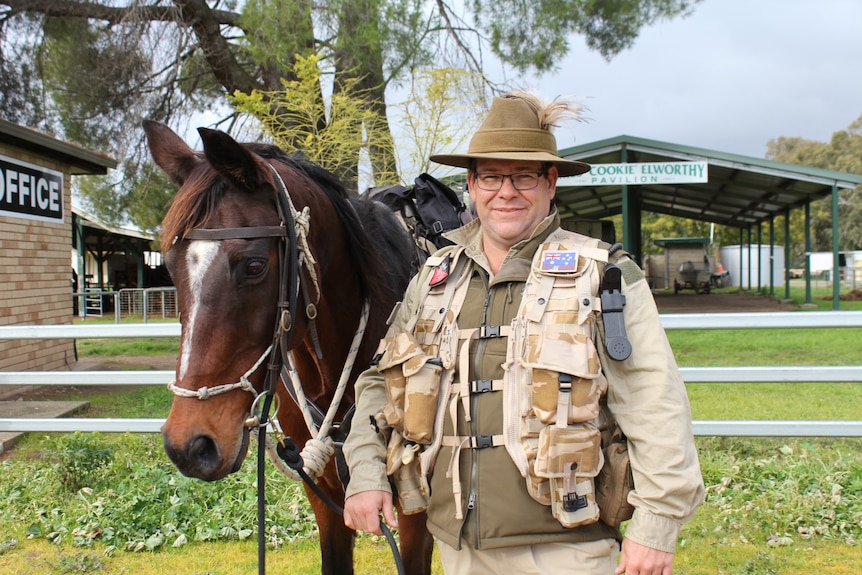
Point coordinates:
[(565, 167)]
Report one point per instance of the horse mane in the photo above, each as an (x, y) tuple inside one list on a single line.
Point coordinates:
[(202, 191), (204, 188)]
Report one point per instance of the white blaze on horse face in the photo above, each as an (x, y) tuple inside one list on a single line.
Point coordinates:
[(199, 258)]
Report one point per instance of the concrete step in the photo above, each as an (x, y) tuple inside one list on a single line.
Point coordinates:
[(34, 409)]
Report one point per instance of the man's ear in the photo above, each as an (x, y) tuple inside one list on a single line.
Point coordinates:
[(471, 185), (553, 175)]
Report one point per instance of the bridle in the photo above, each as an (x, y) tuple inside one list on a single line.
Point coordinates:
[(295, 258)]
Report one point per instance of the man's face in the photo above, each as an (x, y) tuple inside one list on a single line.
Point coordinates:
[(510, 215)]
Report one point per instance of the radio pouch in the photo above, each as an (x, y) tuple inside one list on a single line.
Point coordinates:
[(615, 482)]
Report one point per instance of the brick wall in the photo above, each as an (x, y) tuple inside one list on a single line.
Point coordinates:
[(35, 278)]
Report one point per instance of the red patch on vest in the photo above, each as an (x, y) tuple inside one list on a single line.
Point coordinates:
[(441, 272)]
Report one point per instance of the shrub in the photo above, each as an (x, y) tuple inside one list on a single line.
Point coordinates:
[(81, 459)]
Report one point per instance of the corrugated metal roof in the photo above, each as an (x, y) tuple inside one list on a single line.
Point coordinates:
[(741, 191)]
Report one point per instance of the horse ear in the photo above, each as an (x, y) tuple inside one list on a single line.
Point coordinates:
[(232, 160), (169, 151)]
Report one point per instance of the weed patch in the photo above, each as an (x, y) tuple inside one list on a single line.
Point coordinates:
[(137, 501), (81, 459), (777, 494)]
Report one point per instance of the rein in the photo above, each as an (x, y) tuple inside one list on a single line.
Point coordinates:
[(309, 464)]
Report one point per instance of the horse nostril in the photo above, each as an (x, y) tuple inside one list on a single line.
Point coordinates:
[(203, 452)]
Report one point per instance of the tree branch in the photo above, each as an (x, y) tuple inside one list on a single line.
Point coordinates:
[(216, 49), (110, 14)]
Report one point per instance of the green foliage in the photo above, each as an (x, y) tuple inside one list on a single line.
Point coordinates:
[(843, 154), (783, 493), (441, 112), (297, 120), (22, 95), (534, 35), (656, 226), (81, 460), (87, 99), (276, 31), (149, 192), (139, 502), (80, 563)]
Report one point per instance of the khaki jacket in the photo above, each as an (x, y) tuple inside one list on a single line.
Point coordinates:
[(646, 395)]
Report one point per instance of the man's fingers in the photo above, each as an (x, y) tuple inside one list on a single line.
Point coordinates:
[(389, 516)]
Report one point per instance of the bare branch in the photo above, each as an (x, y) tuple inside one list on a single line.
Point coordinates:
[(110, 14)]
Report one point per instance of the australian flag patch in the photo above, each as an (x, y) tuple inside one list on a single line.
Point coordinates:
[(559, 261)]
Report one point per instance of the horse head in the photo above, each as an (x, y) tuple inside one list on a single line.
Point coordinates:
[(221, 284)]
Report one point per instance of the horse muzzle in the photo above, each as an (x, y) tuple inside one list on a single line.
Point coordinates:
[(207, 454)]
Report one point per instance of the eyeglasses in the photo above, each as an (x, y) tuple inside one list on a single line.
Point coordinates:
[(492, 182)]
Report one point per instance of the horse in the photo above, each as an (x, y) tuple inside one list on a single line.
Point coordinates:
[(259, 243)]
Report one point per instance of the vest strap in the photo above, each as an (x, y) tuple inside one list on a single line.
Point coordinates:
[(458, 443)]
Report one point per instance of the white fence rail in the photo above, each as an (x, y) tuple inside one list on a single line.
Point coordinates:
[(743, 321)]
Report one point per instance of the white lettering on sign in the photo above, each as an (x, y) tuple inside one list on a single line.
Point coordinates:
[(639, 174), (29, 191)]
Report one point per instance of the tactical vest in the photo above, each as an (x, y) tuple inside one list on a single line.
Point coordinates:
[(553, 388)]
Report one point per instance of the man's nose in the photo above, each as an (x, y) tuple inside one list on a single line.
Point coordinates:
[(508, 186)]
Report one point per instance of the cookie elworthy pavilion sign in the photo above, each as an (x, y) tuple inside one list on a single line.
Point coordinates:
[(640, 174), (30, 191)]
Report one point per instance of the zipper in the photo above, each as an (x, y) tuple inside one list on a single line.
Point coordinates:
[(474, 430)]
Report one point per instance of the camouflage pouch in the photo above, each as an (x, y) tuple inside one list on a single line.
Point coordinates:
[(615, 482), (412, 382), (557, 358), (570, 458), (402, 466)]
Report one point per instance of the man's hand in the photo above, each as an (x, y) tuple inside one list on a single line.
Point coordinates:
[(637, 559), (362, 511)]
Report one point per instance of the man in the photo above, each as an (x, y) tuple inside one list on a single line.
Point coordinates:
[(491, 402)]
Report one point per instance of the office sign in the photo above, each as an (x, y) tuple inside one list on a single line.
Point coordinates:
[(30, 191), (640, 174)]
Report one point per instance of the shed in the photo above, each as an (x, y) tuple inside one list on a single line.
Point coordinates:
[(662, 270), (36, 172)]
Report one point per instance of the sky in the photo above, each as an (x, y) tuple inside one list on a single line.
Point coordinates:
[(729, 77)]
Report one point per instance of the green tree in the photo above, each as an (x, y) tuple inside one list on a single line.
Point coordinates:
[(440, 113), (664, 226), (844, 154), (168, 60), (332, 135)]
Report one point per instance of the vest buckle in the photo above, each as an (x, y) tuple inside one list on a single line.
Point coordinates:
[(482, 441), (489, 331)]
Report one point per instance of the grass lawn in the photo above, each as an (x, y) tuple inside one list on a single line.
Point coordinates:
[(73, 503)]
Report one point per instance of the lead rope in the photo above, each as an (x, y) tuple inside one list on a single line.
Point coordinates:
[(297, 226), (319, 449), (290, 454), (308, 465)]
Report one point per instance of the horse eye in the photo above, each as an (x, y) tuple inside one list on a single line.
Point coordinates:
[(255, 268)]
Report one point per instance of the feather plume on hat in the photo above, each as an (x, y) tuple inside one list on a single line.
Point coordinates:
[(550, 114), (520, 126)]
